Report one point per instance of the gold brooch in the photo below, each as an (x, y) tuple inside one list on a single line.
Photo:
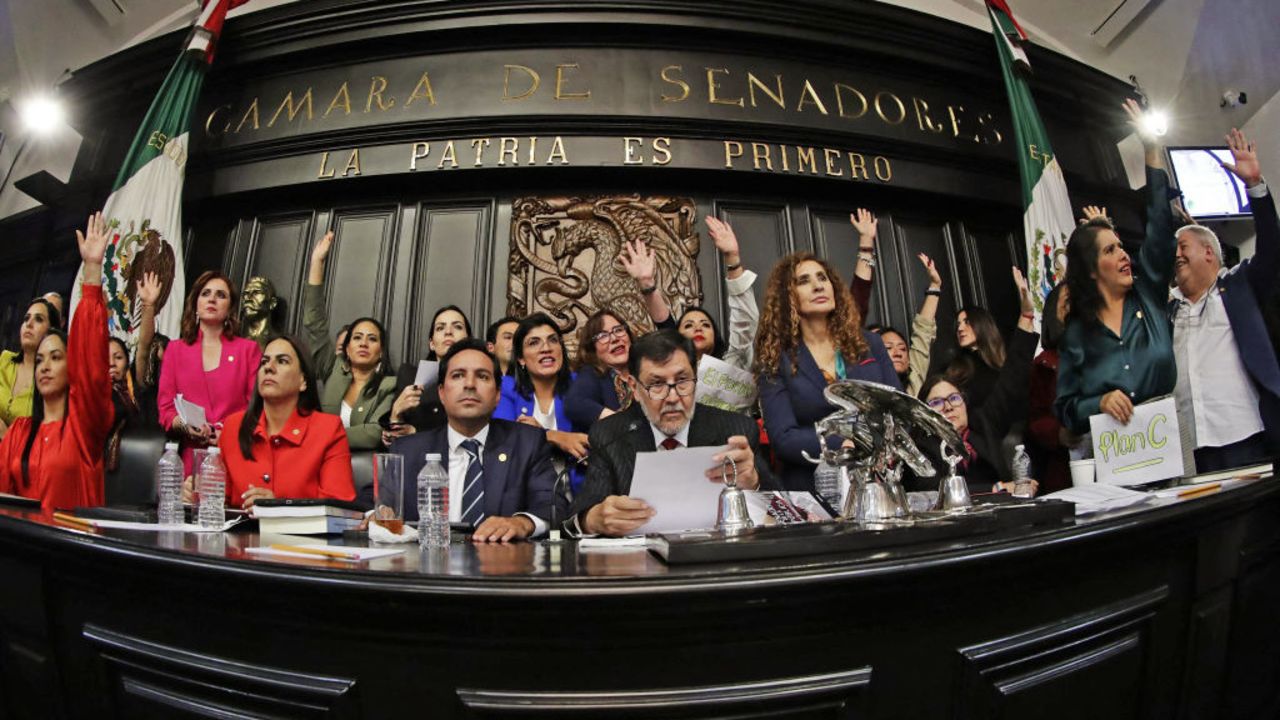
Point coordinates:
[(502, 457)]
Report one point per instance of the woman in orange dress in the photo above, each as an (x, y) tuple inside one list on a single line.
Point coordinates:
[(55, 455)]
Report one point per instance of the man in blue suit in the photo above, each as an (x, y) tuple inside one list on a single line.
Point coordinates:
[(1228, 390), (500, 473)]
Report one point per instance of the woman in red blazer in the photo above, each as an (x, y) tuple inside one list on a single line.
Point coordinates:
[(282, 445), (55, 455)]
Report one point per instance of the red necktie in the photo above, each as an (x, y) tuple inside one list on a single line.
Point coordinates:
[(670, 444)]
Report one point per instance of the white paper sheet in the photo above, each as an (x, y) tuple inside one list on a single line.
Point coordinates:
[(192, 415), (673, 483), (1149, 448), (428, 374), (1096, 497), (156, 527)]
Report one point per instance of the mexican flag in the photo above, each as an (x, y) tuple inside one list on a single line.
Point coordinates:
[(144, 211), (1046, 221)]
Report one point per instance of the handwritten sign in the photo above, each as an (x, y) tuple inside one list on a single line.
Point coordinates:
[(1149, 448), (724, 386)]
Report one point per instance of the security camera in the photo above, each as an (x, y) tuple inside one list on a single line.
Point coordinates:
[(1234, 98)]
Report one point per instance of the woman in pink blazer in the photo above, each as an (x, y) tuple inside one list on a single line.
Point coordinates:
[(209, 366)]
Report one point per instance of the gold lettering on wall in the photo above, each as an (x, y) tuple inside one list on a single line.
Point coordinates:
[(902, 109), (884, 169), (345, 96), (713, 85), (662, 151), (560, 94), (324, 162), (922, 116), (629, 147), (208, 123), (732, 150), (831, 157), (760, 154), (508, 147), (954, 112), (557, 151), (353, 164), (786, 164), (809, 95), (377, 86), (293, 109), (862, 100), (479, 144), (251, 112), (422, 91), (753, 83), (533, 147), (530, 73), (420, 151), (684, 86), (450, 155), (987, 122), (858, 164), (805, 155)]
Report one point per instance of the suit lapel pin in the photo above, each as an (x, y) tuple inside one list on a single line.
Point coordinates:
[(231, 358), (1139, 315), (502, 457)]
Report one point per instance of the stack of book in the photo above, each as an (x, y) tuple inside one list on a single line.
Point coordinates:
[(306, 517)]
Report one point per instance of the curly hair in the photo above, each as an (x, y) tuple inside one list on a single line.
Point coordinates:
[(780, 322), (1082, 256)]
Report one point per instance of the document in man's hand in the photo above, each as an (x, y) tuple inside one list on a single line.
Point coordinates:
[(675, 485)]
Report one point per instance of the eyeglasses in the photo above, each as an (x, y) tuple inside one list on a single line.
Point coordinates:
[(954, 400), (536, 343), (659, 391), (617, 332)]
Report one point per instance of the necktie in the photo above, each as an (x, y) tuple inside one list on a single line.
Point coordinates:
[(670, 444), (473, 485)]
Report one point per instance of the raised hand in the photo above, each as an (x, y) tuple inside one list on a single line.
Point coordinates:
[(864, 221), (935, 280), (149, 290), (1245, 154), (93, 247), (722, 235), (1091, 212), (1136, 121), (638, 260), (315, 272), (1024, 293)]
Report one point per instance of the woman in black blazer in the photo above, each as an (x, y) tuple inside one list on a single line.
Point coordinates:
[(810, 336), (603, 383)]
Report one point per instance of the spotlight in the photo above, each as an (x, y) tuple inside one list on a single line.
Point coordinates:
[(1156, 123), (42, 114)]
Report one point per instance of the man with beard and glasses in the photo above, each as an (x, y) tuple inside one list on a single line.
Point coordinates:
[(500, 472), (662, 417)]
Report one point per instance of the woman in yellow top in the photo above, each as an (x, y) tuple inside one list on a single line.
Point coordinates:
[(18, 370)]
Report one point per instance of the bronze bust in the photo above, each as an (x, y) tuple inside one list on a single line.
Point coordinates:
[(260, 302)]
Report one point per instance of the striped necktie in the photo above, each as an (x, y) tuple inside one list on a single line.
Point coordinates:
[(473, 485)]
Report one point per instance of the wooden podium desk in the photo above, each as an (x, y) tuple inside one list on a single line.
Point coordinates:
[(1161, 612)]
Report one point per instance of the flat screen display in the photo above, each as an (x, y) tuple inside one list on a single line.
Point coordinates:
[(1208, 189)]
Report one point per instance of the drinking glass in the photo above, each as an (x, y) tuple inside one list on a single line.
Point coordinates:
[(388, 491)]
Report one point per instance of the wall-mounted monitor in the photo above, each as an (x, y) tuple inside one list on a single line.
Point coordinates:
[(1209, 191)]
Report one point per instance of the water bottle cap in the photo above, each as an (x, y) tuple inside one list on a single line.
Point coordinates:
[(434, 457), (171, 446), (215, 451)]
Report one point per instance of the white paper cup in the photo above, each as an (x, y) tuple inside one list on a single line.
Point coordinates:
[(1082, 472)]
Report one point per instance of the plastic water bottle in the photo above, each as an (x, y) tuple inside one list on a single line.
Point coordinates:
[(169, 486), (826, 484), (433, 503), (1022, 473), (213, 491)]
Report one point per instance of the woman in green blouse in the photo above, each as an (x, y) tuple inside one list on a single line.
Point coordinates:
[(358, 383), (1117, 349), (18, 369)]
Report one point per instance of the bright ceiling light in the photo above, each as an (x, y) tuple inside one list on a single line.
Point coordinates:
[(42, 114), (1156, 123)]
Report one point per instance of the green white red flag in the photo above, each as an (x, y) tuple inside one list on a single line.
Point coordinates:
[(144, 210), (1047, 221)]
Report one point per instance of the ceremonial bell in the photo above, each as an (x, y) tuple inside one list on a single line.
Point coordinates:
[(953, 491), (732, 515)]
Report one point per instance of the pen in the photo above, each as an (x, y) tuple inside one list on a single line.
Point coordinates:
[(1196, 492), (335, 554)]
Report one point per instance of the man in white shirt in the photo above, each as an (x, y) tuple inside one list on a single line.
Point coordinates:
[(1228, 390), (500, 473)]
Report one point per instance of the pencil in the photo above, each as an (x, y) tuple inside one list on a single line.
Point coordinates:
[(73, 520), (336, 554), (1196, 492)]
